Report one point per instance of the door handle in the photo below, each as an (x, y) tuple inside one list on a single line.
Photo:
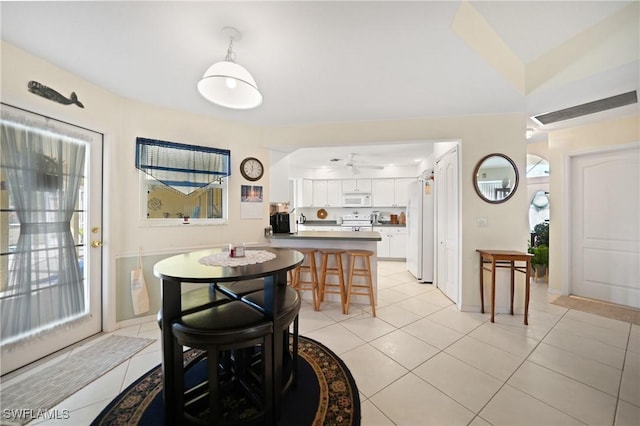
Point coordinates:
[(96, 243)]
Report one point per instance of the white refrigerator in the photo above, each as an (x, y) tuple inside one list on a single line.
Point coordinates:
[(420, 235)]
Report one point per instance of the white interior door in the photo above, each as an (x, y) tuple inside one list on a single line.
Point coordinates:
[(447, 225), (50, 280), (605, 230)]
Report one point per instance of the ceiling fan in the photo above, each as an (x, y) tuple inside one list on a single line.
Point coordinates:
[(355, 165)]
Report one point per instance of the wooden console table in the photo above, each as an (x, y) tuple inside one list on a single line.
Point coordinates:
[(504, 259)]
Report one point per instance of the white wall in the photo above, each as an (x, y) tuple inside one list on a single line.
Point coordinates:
[(279, 177), (121, 120), (479, 135), (170, 125), (562, 144)]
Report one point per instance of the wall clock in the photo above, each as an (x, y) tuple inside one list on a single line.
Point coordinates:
[(251, 169)]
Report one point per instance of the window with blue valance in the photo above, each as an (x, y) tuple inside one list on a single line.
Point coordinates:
[(185, 168)]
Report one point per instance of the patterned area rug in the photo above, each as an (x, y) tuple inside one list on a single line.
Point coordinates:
[(597, 307), (326, 394), (43, 390)]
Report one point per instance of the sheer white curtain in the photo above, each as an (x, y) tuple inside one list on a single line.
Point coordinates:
[(43, 171)]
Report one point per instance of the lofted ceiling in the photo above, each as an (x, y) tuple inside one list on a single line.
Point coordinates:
[(335, 61)]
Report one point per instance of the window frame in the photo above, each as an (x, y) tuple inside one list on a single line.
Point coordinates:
[(146, 180)]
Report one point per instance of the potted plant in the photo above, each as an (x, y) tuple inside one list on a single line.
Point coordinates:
[(46, 172), (540, 250), (540, 261), (541, 232)]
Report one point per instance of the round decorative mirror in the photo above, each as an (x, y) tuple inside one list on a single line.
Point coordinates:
[(495, 178)]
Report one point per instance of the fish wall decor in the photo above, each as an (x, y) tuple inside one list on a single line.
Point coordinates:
[(52, 95)]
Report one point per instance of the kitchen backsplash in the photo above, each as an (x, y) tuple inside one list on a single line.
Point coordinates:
[(311, 213)]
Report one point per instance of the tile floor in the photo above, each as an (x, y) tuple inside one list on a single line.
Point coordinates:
[(421, 362)]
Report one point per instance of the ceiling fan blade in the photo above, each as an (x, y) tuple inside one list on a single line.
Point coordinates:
[(355, 170)]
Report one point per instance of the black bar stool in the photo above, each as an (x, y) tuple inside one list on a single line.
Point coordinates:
[(238, 289), (200, 298), (230, 326), (289, 303)]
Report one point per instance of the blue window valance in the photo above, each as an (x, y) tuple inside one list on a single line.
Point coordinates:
[(185, 168)]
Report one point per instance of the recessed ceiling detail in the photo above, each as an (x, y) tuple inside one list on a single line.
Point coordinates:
[(381, 60), (478, 34), (588, 108)]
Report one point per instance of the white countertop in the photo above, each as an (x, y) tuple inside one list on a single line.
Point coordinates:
[(330, 235)]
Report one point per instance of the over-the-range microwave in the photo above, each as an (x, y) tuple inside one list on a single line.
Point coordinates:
[(356, 199)]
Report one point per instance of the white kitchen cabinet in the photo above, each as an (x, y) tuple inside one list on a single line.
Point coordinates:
[(383, 193), (304, 193), (319, 193), (401, 191), (327, 193), (356, 185), (334, 193), (383, 244), (394, 242), (398, 243), (391, 192)]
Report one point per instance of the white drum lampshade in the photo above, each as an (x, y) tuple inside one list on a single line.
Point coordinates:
[(229, 84)]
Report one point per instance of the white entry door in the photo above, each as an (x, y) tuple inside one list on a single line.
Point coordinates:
[(447, 224), (50, 244), (605, 230)]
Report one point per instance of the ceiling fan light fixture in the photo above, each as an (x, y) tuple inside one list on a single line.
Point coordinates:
[(229, 84)]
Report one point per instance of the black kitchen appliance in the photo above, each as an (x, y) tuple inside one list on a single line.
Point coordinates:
[(280, 223)]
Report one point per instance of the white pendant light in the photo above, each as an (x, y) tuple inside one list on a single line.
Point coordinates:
[(229, 84)]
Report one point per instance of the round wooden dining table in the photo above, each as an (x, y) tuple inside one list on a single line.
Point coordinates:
[(187, 268)]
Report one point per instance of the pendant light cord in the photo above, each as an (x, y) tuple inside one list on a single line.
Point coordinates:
[(231, 55)]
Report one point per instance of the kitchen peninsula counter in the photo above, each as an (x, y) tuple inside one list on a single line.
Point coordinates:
[(346, 240), (328, 235)]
